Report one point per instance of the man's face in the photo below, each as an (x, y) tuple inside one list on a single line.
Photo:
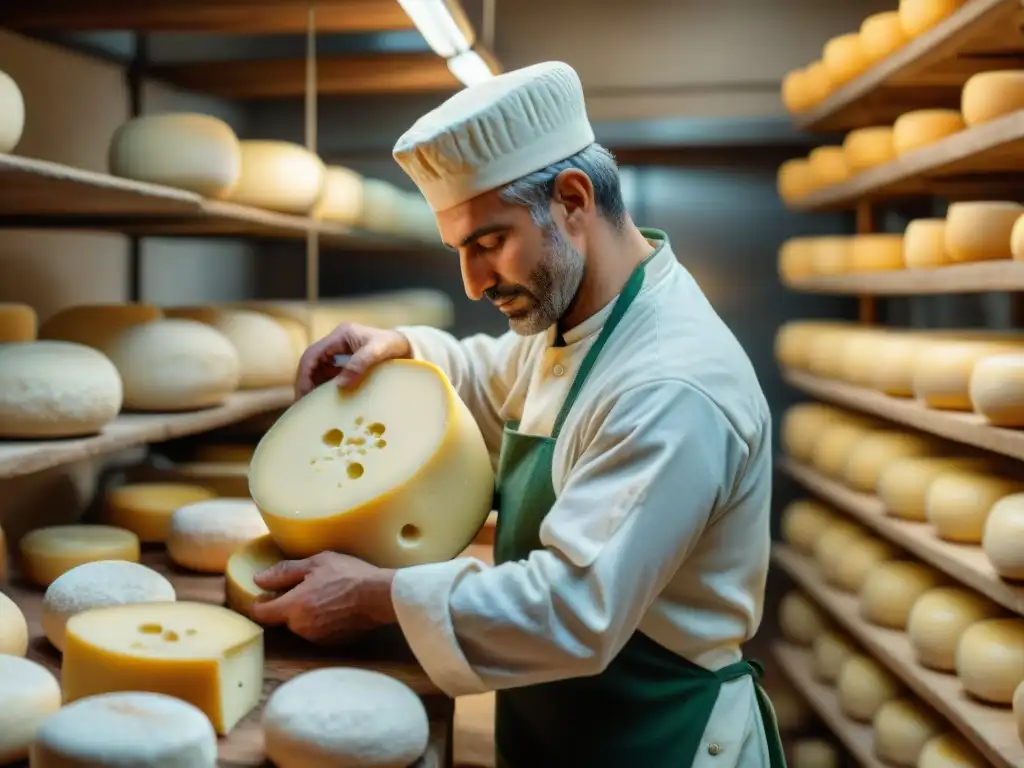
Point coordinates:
[(530, 273)]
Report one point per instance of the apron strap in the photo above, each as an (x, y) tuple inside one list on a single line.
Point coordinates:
[(754, 668)]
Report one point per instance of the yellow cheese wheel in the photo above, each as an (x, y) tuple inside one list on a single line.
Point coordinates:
[(903, 485), (1018, 710), (828, 165), (29, 695), (875, 253), (918, 16), (859, 558), (826, 351), (980, 231), (857, 360), (895, 360), (990, 659), (12, 113), (831, 255), (818, 82), (342, 197), (924, 244), (989, 95), (814, 753), (864, 686), (901, 729), (950, 750), (801, 428), (796, 258), (844, 58), (873, 452), (939, 618), (997, 389), (95, 325), (868, 147), (48, 552), (923, 127), (832, 543), (831, 650), (18, 322), (799, 619), (890, 590), (1003, 537), (145, 509), (804, 521), (881, 35), (13, 628), (363, 471), (958, 502), (944, 369), (834, 446), (796, 96), (793, 340), (791, 709), (383, 207), (279, 176), (795, 180), (240, 588)]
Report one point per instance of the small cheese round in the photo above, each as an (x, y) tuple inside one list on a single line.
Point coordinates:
[(950, 750), (799, 619), (279, 176), (997, 389), (876, 253), (175, 365), (924, 243), (924, 127), (342, 198), (989, 95), (958, 502), (18, 322), (801, 428), (834, 446), (939, 618), (818, 83), (793, 343), (844, 58), (1002, 539), (858, 558), (902, 728), (831, 255), (1018, 710), (112, 730), (826, 351), (990, 659), (796, 257), (873, 452), (828, 165), (831, 650), (981, 231), (145, 509), (12, 113), (796, 96), (864, 686), (205, 534), (30, 693), (918, 16), (944, 370), (96, 584), (49, 552), (795, 180), (903, 486), (13, 628), (198, 153), (382, 207), (814, 753), (890, 590), (869, 147), (344, 716), (56, 389), (881, 35), (840, 535), (95, 325), (254, 556), (803, 522)]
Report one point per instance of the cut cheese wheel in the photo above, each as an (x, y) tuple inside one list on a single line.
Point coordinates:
[(997, 389), (864, 686), (828, 165), (342, 198), (869, 147), (255, 556), (939, 618), (47, 553), (832, 543), (95, 325), (801, 428), (980, 231), (890, 590), (56, 389), (18, 322), (1018, 710), (989, 95), (859, 558), (92, 585), (990, 659), (904, 484), (145, 509), (1003, 537), (835, 445), (875, 253), (112, 730), (205, 534), (12, 113), (924, 127), (918, 16), (795, 180), (279, 176), (796, 258), (844, 58), (803, 522), (944, 370), (199, 153), (875, 450), (799, 619), (344, 716), (13, 628), (881, 34), (831, 255), (902, 728), (175, 365), (362, 471), (29, 695), (924, 243), (831, 650), (958, 503), (950, 750), (204, 654), (814, 753)]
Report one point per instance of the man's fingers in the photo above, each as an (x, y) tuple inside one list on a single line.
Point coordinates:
[(284, 575), (274, 612), (364, 358)]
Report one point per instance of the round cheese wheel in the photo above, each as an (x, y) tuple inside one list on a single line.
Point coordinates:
[(950, 750), (831, 255), (49, 552), (825, 352), (145, 509), (869, 147), (96, 584), (1002, 539), (198, 153), (801, 428), (175, 365), (344, 716), (828, 165), (864, 686), (980, 231), (818, 83), (56, 389), (833, 448), (904, 484), (924, 127), (791, 710), (875, 450), (1018, 710), (342, 198), (875, 253), (831, 650), (814, 753), (918, 16), (856, 357), (18, 322), (858, 559), (990, 659), (793, 341), (944, 369), (205, 534), (251, 558), (382, 207), (111, 730), (989, 95), (796, 258), (890, 590), (796, 96), (895, 360), (881, 35), (279, 176), (844, 58), (795, 180), (803, 522), (958, 502), (29, 695), (13, 628), (840, 535), (95, 325), (924, 243), (997, 389), (939, 618), (12, 113), (902, 728), (799, 619)]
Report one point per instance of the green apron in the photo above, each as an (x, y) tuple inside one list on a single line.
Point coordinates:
[(649, 708)]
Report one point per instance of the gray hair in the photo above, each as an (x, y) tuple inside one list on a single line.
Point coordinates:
[(536, 189)]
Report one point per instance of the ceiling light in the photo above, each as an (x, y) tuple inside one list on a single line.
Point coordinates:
[(443, 25), (471, 68)]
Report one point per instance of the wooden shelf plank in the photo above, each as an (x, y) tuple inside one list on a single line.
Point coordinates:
[(25, 457), (980, 277), (981, 35), (991, 729), (796, 664), (964, 562)]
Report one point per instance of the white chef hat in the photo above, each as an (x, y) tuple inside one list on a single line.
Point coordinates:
[(493, 133)]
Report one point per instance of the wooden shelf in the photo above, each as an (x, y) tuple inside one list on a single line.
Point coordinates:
[(128, 430), (929, 71), (964, 562), (991, 729), (980, 277), (797, 663)]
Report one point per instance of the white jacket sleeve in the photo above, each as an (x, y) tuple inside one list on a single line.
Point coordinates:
[(664, 458)]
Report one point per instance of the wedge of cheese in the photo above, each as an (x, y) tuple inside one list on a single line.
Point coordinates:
[(241, 591)]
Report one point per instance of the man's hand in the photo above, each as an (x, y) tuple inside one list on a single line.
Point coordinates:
[(367, 346), (331, 597)]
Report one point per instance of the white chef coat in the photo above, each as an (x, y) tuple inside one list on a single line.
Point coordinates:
[(663, 479)]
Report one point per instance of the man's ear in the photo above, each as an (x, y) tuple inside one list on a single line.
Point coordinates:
[(574, 192)]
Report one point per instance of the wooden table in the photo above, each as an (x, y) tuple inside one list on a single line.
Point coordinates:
[(286, 657)]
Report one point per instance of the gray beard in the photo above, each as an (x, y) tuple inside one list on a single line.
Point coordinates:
[(554, 284)]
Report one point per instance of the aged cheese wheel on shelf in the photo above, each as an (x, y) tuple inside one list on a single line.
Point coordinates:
[(145, 509), (799, 619), (47, 553), (175, 365), (989, 95), (96, 584), (840, 535), (791, 709), (342, 198), (205, 654), (56, 389), (12, 113), (1018, 710), (857, 362), (279, 176), (138, 729), (95, 325), (205, 534), (950, 750), (255, 556), (958, 502), (895, 359), (891, 588), (859, 558), (818, 83), (831, 650), (864, 686), (1002, 539), (904, 483), (939, 618), (792, 344), (844, 58), (382, 207), (796, 96), (828, 165), (980, 231), (198, 153), (918, 16), (29, 695), (362, 471), (943, 368), (924, 243), (997, 389), (901, 729), (832, 450), (831, 255), (873, 452), (875, 253), (795, 180), (990, 659), (802, 425), (18, 322), (13, 628), (923, 127), (804, 521), (881, 34), (825, 352), (868, 147), (344, 716), (796, 258), (814, 753)]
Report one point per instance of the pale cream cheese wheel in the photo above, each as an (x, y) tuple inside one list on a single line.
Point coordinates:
[(840, 535), (864, 686), (801, 428), (997, 389), (828, 165), (204, 534), (856, 357), (831, 650), (990, 95), (96, 325), (791, 709), (804, 521), (29, 694), (924, 244), (944, 369), (342, 197), (873, 453), (924, 127), (950, 750), (814, 753), (981, 230), (792, 345), (859, 558), (881, 35), (799, 619), (958, 502), (990, 659), (795, 180), (844, 58), (918, 16), (12, 113), (891, 588), (826, 351), (895, 361), (13, 628), (938, 619), (279, 176), (869, 147), (901, 729), (145, 509), (50, 551), (904, 484), (832, 450), (1003, 537)]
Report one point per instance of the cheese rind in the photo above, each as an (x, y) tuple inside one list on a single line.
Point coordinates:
[(204, 654), (205, 534), (1002, 539), (145, 509), (12, 113), (989, 95), (49, 552), (831, 650), (30, 693), (255, 556), (958, 502), (860, 556), (876, 253), (796, 258), (924, 127), (990, 659), (904, 485), (872, 453), (981, 231), (801, 428), (795, 180), (13, 628), (342, 197), (868, 147), (938, 619), (943, 371), (924, 243), (844, 58), (804, 521), (279, 176), (864, 686), (890, 590), (95, 325), (800, 620), (996, 389), (901, 730), (950, 750), (882, 34), (828, 165), (18, 322), (918, 16)]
